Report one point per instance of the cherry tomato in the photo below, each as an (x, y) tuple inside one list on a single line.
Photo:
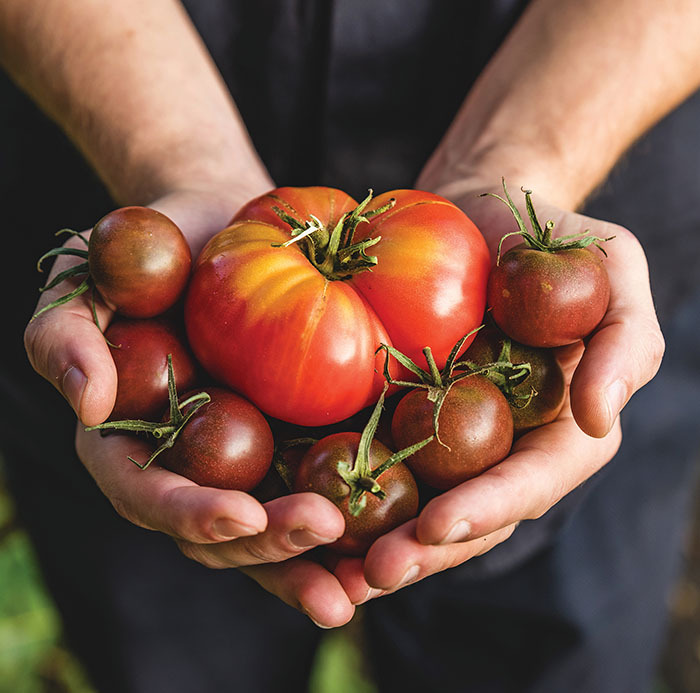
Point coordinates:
[(226, 444), (318, 472), (141, 358), (296, 330), (547, 291), (139, 261), (475, 427), (540, 397), (548, 299)]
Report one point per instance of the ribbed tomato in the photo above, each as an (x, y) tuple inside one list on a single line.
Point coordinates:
[(295, 327)]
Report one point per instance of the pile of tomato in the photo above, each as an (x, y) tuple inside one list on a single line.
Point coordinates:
[(366, 352)]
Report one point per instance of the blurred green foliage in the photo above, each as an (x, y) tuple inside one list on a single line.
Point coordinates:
[(32, 656)]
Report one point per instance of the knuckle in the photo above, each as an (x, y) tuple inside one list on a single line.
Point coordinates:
[(201, 554), (657, 346), (124, 510), (258, 550)]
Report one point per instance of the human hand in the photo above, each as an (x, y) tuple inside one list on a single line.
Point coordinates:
[(621, 355), (64, 344), (471, 519), (215, 527), (225, 528)]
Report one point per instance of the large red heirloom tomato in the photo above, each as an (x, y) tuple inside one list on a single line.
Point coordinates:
[(295, 327)]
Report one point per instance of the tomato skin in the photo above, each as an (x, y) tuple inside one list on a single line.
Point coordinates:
[(318, 473), (547, 378), (475, 422), (433, 267), (226, 444), (267, 323), (141, 360), (548, 299), (139, 260)]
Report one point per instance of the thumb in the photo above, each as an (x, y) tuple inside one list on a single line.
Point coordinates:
[(626, 350), (65, 346)]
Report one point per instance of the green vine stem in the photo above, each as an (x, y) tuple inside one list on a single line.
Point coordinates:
[(506, 375), (334, 252), (360, 476), (439, 383), (280, 464), (168, 431), (541, 238), (79, 270)]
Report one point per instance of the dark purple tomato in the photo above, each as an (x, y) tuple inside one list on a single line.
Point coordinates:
[(475, 424), (546, 378), (226, 444), (141, 358), (548, 299), (318, 473), (139, 261)]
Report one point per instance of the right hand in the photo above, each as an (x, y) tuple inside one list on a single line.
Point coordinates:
[(217, 528)]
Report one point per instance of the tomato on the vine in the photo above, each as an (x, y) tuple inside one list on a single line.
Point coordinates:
[(318, 472), (537, 399), (137, 259), (293, 321), (476, 431), (547, 292), (227, 443), (213, 437)]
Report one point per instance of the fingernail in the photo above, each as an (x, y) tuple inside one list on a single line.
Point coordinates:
[(616, 396), (372, 593), (460, 531), (226, 528), (305, 539), (73, 386), (408, 577), (316, 623)]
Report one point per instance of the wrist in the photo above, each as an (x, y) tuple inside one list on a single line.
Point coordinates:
[(459, 172), (202, 210)]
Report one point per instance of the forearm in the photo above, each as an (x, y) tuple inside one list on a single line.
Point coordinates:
[(568, 92), (134, 88)]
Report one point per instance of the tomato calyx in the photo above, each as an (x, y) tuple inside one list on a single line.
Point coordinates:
[(334, 252), (180, 413), (279, 462), (503, 373), (79, 270), (360, 476), (506, 376), (541, 238)]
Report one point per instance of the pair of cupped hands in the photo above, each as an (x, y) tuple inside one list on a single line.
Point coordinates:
[(231, 529)]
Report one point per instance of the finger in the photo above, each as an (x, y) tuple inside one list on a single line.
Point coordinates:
[(66, 347), (398, 559), (308, 587), (351, 575), (543, 467), (626, 349), (296, 523), (158, 499)]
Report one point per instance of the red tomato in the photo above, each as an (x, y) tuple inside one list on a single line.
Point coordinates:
[(301, 343), (318, 472), (141, 359), (475, 425), (548, 299), (226, 444), (139, 261), (546, 379)]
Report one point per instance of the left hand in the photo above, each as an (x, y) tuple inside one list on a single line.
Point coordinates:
[(469, 520)]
